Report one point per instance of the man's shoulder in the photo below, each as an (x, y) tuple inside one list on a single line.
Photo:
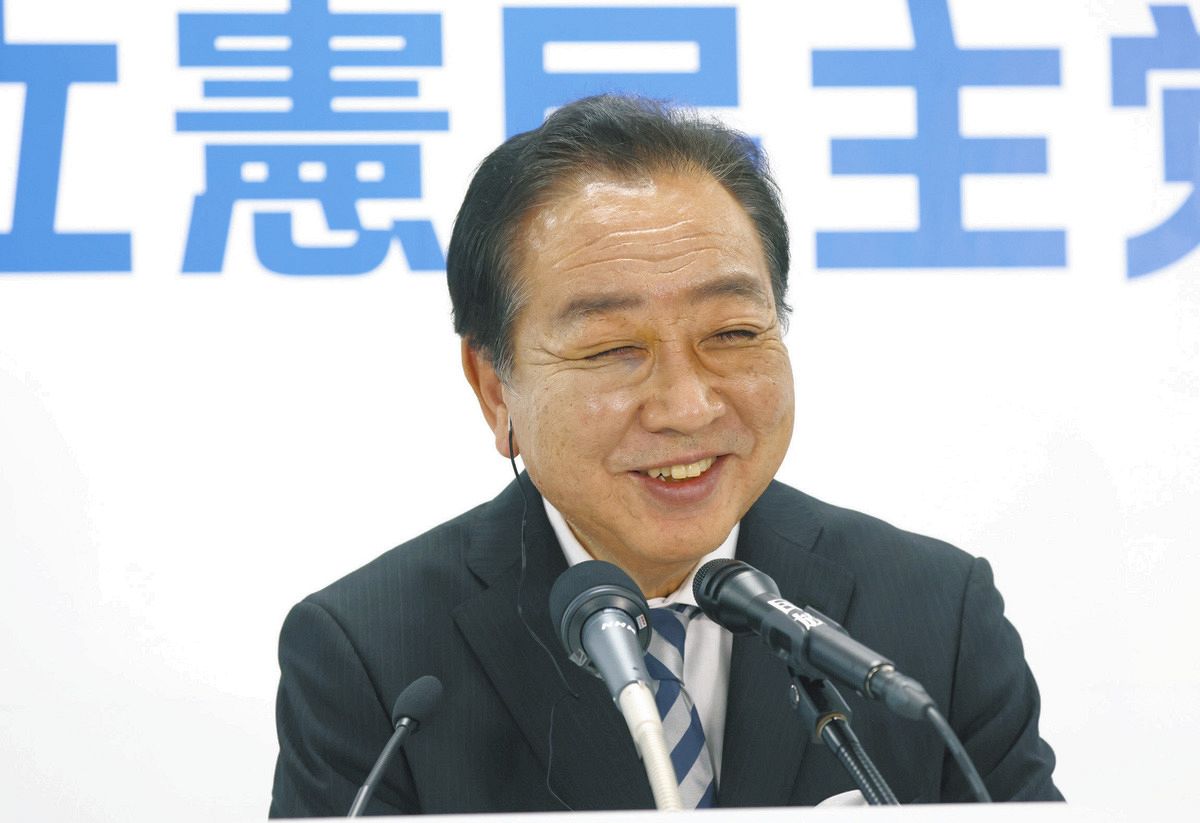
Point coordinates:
[(431, 562), (852, 538)]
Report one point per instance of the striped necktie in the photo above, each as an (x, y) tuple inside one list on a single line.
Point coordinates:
[(681, 722)]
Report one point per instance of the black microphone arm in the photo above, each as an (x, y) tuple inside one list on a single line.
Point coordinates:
[(416, 704), (744, 600)]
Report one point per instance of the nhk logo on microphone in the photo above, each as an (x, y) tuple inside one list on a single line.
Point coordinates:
[(615, 623), (796, 613)]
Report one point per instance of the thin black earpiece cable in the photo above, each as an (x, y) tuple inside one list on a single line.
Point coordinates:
[(521, 614)]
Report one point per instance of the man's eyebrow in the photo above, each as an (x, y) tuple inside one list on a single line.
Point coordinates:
[(585, 306), (731, 285)]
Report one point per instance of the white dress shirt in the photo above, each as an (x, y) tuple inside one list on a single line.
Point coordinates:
[(706, 650)]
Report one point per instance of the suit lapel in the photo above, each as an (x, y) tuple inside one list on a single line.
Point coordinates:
[(595, 765), (764, 740)]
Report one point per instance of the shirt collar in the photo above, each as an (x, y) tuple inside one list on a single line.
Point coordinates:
[(574, 552)]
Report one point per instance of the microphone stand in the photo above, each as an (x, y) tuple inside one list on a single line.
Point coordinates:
[(823, 708)]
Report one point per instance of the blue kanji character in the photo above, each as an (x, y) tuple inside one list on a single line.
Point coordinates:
[(1175, 45), (312, 42), (938, 156), (33, 244), (314, 45), (378, 172), (530, 88)]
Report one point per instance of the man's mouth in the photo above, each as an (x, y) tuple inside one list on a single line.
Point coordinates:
[(681, 471)]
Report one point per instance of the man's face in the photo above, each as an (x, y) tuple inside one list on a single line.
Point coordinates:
[(651, 395)]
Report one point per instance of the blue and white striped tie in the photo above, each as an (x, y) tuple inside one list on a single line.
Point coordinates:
[(681, 722)]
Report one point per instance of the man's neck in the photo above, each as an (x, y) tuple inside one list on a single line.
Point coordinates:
[(671, 583)]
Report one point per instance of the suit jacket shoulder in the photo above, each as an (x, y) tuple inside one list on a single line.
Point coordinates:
[(864, 542)]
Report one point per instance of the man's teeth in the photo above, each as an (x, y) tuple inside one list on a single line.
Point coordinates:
[(683, 471)]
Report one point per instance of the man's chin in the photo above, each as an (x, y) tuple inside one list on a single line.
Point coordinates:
[(683, 532), (669, 551)]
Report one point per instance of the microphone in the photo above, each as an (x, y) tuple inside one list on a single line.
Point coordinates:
[(603, 622), (416, 704), (745, 601)]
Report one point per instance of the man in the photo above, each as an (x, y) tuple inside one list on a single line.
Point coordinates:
[(618, 280)]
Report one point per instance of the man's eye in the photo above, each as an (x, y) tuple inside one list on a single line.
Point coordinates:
[(736, 335), (614, 352)]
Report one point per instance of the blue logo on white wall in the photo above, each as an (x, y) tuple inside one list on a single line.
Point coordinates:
[(320, 51), (33, 244), (318, 150), (938, 156), (1175, 45), (530, 87)]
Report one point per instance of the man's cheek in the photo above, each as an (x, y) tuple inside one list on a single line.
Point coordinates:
[(601, 409), (767, 408)]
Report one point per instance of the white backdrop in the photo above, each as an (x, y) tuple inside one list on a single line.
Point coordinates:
[(183, 457)]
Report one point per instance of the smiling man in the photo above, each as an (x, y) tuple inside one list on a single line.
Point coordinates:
[(618, 280), (650, 391)]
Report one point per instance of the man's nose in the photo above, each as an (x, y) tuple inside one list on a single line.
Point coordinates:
[(681, 395)]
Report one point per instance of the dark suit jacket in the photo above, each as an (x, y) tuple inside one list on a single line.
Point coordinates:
[(446, 604)]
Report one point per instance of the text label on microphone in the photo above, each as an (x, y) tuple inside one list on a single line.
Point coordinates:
[(617, 624), (796, 613)]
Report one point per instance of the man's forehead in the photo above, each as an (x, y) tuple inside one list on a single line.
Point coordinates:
[(601, 245), (591, 203)]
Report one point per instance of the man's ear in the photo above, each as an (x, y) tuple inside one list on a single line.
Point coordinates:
[(489, 389)]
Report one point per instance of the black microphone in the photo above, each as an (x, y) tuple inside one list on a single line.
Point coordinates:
[(745, 601), (414, 706), (603, 621)]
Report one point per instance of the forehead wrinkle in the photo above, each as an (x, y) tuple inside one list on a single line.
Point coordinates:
[(617, 241), (658, 252), (630, 232), (656, 258)]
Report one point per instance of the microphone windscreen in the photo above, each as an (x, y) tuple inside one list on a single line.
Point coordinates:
[(583, 576), (419, 701), (705, 579)]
